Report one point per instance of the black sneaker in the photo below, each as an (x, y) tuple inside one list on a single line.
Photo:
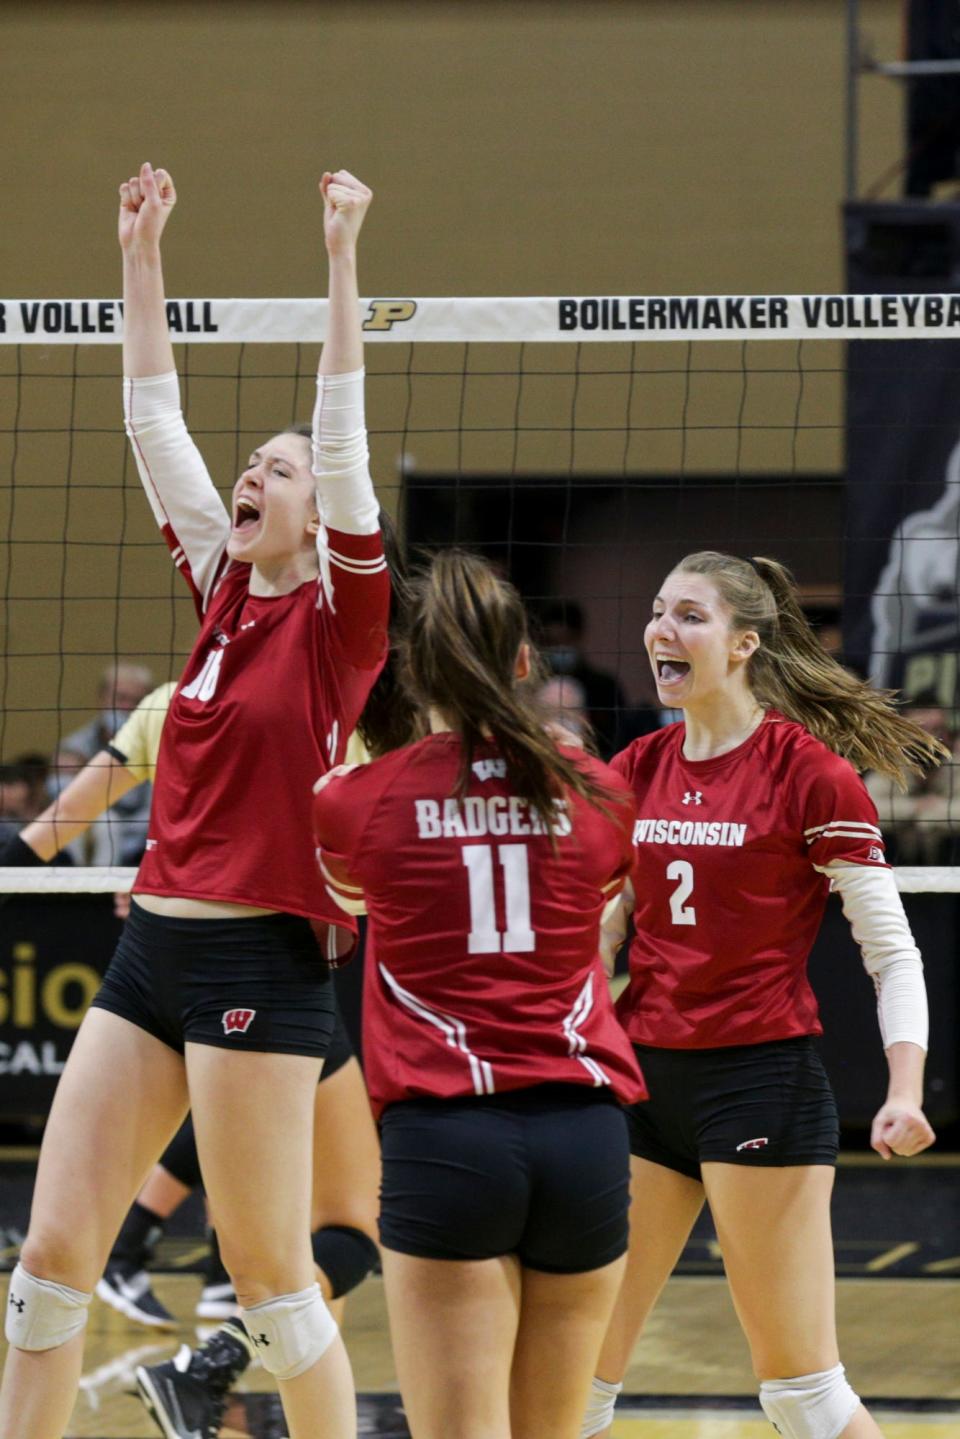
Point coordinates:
[(132, 1296), (188, 1394)]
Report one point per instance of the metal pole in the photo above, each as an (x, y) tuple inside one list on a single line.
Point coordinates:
[(852, 126)]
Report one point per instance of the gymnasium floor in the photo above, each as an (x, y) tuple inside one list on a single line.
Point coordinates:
[(898, 1247)]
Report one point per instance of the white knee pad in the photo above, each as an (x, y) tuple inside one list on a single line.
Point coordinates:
[(813, 1406), (290, 1332), (41, 1314), (599, 1411)]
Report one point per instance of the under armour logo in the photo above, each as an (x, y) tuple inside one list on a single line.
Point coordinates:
[(260, 1340), (693, 797), (17, 1304), (759, 1143)]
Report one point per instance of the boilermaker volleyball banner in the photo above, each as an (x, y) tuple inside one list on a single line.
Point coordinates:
[(491, 320)]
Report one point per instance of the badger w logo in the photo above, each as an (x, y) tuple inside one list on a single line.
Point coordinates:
[(237, 1021)]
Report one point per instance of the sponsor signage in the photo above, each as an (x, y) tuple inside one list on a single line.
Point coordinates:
[(54, 950)]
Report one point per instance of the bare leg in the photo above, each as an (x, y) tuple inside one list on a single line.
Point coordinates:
[(663, 1209), (346, 1161), (774, 1231), (121, 1096), (161, 1193), (563, 1319), (453, 1325), (253, 1116)]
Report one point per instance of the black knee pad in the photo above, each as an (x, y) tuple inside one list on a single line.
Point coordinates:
[(346, 1256), (180, 1156)]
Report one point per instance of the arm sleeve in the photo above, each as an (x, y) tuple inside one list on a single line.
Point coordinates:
[(354, 588), (874, 909), (185, 504)]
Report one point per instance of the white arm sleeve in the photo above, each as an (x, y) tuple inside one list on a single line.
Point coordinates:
[(182, 495), (874, 909), (341, 457)]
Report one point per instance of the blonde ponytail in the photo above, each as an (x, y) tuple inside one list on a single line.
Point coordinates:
[(791, 672)]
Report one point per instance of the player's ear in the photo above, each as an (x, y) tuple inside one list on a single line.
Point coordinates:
[(313, 523), (746, 643), (521, 669)]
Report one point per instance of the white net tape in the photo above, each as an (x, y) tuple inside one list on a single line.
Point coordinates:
[(521, 319), (66, 879)]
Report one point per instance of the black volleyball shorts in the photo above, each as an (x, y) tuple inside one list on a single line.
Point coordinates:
[(258, 983), (765, 1105), (541, 1173)]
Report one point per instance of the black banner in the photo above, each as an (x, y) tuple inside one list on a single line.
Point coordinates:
[(53, 953), (901, 616)]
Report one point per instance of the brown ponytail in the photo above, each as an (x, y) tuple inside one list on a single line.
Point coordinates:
[(466, 627), (390, 716), (791, 672)]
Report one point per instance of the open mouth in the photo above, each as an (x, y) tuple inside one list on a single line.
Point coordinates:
[(246, 517), (671, 672)]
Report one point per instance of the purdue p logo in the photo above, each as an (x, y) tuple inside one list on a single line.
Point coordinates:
[(237, 1021), (384, 314)]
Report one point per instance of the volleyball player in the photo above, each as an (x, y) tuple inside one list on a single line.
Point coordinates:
[(749, 812), (485, 856), (346, 1167), (219, 953)]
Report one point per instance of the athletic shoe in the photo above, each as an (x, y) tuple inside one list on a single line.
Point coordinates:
[(132, 1296), (217, 1297), (218, 1301), (187, 1395)]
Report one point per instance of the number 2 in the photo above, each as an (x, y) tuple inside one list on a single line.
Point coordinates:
[(681, 913), (485, 935)]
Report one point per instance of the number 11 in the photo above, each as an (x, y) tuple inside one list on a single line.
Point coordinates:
[(485, 935)]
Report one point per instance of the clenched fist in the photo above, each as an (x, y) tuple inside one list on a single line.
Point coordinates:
[(345, 203), (146, 201)]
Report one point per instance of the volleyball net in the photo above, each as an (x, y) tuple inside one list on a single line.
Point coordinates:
[(584, 444)]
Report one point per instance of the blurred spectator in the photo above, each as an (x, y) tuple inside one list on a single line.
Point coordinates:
[(35, 768), (919, 826), (561, 641), (120, 836), (566, 701), (15, 806), (121, 689)]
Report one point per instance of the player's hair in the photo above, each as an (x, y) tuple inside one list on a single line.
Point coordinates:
[(466, 627), (791, 671), (391, 717)]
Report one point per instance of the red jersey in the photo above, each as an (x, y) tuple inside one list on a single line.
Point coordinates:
[(268, 698), (728, 902), (484, 973)]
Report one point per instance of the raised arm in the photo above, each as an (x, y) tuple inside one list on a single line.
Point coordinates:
[(182, 496), (353, 571), (146, 204), (345, 203)]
